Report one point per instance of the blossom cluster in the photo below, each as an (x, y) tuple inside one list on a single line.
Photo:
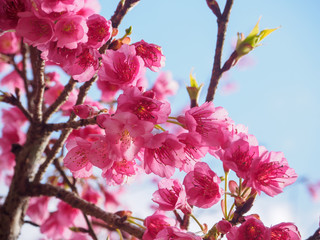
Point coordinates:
[(136, 134)]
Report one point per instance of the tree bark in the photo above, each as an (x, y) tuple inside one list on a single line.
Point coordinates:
[(13, 210)]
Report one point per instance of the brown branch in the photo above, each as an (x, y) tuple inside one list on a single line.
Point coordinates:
[(216, 69), (74, 189), (36, 189), (315, 236), (65, 133), (73, 125), (121, 11), (9, 98), (60, 100), (51, 155), (39, 85)]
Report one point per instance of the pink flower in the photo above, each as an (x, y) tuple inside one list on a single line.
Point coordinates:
[(35, 31), (125, 133), (239, 154), (143, 105), (77, 156), (169, 233), (9, 10), (9, 43), (121, 67), (194, 149), (165, 86), (284, 231), (151, 55), (90, 7), (209, 122), (163, 153), (271, 173), (251, 229), (155, 223), (60, 6), (202, 186), (171, 196), (57, 224), (13, 81), (70, 31), (91, 195), (101, 153), (108, 90), (224, 226), (38, 209), (85, 111), (99, 32), (120, 172)]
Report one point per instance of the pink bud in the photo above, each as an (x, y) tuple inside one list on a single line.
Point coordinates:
[(85, 111)]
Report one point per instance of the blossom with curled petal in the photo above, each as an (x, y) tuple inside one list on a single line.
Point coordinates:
[(271, 173), (171, 196), (151, 55), (122, 67), (284, 231), (202, 186)]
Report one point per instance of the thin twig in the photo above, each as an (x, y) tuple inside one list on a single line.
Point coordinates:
[(216, 69), (36, 189), (73, 125), (9, 98), (32, 223), (65, 133), (51, 155), (60, 100)]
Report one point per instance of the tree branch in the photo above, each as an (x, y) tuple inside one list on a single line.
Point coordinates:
[(121, 11), (60, 100), (315, 236), (216, 69), (73, 125), (74, 189), (39, 85), (65, 133), (9, 98), (36, 189)]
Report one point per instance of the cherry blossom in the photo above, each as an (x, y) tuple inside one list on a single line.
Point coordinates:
[(155, 223), (271, 173), (202, 186), (284, 231), (169, 233), (165, 86), (171, 196), (163, 153), (251, 229), (143, 105), (122, 67), (99, 32), (151, 55), (70, 31)]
